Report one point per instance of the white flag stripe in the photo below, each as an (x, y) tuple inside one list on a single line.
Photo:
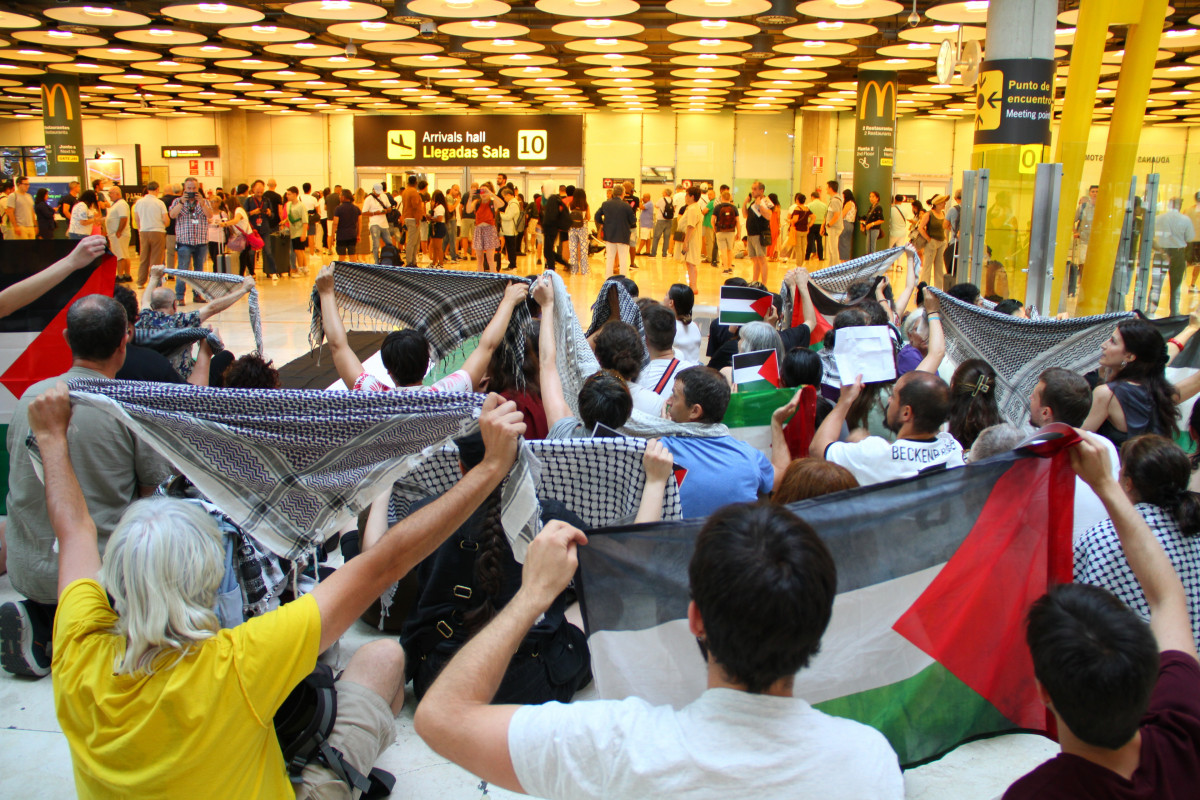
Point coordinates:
[(12, 345), (748, 374), (859, 651)]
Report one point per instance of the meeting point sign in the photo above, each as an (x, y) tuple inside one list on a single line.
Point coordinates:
[(468, 140)]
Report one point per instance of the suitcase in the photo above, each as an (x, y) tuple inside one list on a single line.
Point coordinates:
[(281, 247), (224, 262)]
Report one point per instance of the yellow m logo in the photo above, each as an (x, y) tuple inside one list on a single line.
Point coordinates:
[(48, 94), (881, 96)]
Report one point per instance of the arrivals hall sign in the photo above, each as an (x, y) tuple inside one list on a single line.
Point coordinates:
[(442, 140)]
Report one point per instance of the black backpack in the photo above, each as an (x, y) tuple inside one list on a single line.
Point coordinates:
[(389, 255), (303, 724), (668, 209)]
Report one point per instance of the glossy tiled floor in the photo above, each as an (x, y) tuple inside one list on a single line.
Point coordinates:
[(34, 759)]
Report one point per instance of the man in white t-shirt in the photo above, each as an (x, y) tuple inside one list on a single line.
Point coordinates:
[(659, 375), (1064, 396), (919, 407), (116, 225), (745, 736), (375, 206)]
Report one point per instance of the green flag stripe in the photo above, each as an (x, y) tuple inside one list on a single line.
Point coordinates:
[(749, 409), (738, 317)]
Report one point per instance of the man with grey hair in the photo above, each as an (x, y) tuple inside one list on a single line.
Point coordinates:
[(113, 467), (1172, 232), (995, 440)]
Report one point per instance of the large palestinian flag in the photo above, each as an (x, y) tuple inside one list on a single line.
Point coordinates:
[(926, 643), (32, 347)]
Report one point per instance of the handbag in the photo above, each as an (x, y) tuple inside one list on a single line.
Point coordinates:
[(237, 242), (255, 240)]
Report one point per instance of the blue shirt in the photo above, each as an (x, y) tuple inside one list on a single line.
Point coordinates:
[(716, 471)]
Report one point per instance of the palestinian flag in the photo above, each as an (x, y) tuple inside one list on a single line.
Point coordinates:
[(32, 347), (926, 643), (749, 415), (757, 370), (740, 305)]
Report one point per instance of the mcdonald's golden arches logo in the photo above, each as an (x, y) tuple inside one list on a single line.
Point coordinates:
[(49, 92), (881, 99)]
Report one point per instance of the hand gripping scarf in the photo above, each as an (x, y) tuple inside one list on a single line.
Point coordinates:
[(836, 280), (215, 285), (1021, 349), (447, 306)]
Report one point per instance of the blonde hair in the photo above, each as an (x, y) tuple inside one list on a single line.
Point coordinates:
[(163, 566)]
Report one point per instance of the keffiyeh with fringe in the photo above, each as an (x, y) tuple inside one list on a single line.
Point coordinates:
[(215, 285), (835, 280), (446, 306), (1021, 349)]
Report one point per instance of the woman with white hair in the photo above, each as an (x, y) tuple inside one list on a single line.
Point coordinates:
[(752, 337), (156, 700)]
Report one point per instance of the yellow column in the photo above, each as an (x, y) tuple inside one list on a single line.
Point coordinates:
[(1120, 156), (1083, 77)]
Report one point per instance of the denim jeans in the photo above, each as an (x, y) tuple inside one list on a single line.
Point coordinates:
[(189, 254), (662, 230), (379, 234)]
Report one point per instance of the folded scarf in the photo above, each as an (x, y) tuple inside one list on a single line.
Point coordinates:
[(1021, 349), (215, 285), (835, 280), (171, 341)]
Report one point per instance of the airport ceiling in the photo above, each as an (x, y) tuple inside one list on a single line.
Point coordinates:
[(529, 56)]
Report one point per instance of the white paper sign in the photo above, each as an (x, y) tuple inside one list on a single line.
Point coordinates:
[(865, 351)]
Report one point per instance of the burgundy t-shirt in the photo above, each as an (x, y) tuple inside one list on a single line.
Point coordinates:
[(1170, 762)]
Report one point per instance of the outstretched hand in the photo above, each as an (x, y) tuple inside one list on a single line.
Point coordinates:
[(501, 426), (851, 391), (658, 461), (784, 412), (50, 413), (1090, 460), (515, 293), (88, 250), (543, 291), (551, 562), (325, 279)]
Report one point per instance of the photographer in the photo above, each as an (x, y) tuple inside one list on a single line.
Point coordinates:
[(191, 212)]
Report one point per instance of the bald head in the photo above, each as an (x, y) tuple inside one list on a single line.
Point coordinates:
[(96, 328), (114, 193), (163, 299)]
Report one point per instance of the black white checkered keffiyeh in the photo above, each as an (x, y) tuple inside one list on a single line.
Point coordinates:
[(836, 280), (170, 341), (288, 466), (601, 311), (1021, 349), (447, 306), (215, 285)]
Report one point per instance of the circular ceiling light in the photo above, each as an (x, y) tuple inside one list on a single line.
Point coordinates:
[(371, 31), (587, 8), (341, 10), (458, 9), (212, 13), (267, 34), (98, 14), (61, 38)]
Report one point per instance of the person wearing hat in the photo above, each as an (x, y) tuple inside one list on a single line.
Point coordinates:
[(934, 226), (376, 206)]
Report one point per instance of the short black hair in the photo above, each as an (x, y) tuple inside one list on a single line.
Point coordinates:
[(412, 180), (619, 347), (306, 186), (832, 185), (251, 371), (764, 583), (659, 322), (707, 388), (1067, 394), (604, 397), (683, 297), (735, 281), (967, 292), (928, 396), (1009, 306), (96, 327), (801, 367), (1097, 659), (694, 192), (628, 283), (128, 300), (405, 356)]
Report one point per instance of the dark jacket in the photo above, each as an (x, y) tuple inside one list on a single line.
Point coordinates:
[(616, 221)]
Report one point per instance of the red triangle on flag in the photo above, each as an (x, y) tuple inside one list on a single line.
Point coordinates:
[(1019, 546), (762, 305), (769, 371), (680, 473), (49, 355)]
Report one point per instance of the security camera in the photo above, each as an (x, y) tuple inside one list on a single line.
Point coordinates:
[(351, 50), (914, 19), (428, 29)]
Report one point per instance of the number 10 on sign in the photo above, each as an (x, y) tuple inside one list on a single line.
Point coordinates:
[(532, 145)]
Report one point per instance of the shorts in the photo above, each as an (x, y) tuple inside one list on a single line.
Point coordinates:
[(119, 246), (312, 229), (754, 246), (644, 233), (725, 241), (299, 243), (364, 728), (486, 237), (466, 228)]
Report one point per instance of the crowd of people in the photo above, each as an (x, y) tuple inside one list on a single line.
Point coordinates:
[(120, 593)]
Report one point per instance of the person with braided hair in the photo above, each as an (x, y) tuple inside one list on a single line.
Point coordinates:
[(973, 404), (1154, 475), (1137, 397)]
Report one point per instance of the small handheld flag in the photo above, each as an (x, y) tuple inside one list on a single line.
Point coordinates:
[(741, 305), (756, 371)]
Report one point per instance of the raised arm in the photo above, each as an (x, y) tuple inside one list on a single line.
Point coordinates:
[(831, 427), (806, 303), (21, 294), (554, 403), (477, 363), (1160, 583), (345, 595), (1176, 343), (910, 286), (152, 283), (214, 307), (781, 454), (657, 461), (936, 349), (344, 360), (78, 553), (455, 717)]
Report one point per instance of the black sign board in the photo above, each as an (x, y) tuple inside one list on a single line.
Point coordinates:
[(194, 151), (549, 140), (1014, 101)]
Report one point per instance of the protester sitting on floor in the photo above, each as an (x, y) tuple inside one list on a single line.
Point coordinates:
[(472, 576), (680, 299), (1013, 307), (717, 470), (24, 292), (811, 477), (801, 369), (523, 389), (129, 670), (916, 412), (405, 353), (755, 336), (251, 371), (604, 397), (144, 364), (926, 338), (973, 402), (619, 348), (762, 586), (994, 440), (1154, 476), (1125, 695), (659, 374), (115, 467), (967, 292), (1136, 397)]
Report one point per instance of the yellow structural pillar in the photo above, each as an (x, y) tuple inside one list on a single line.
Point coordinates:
[(1087, 53), (1120, 156)]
